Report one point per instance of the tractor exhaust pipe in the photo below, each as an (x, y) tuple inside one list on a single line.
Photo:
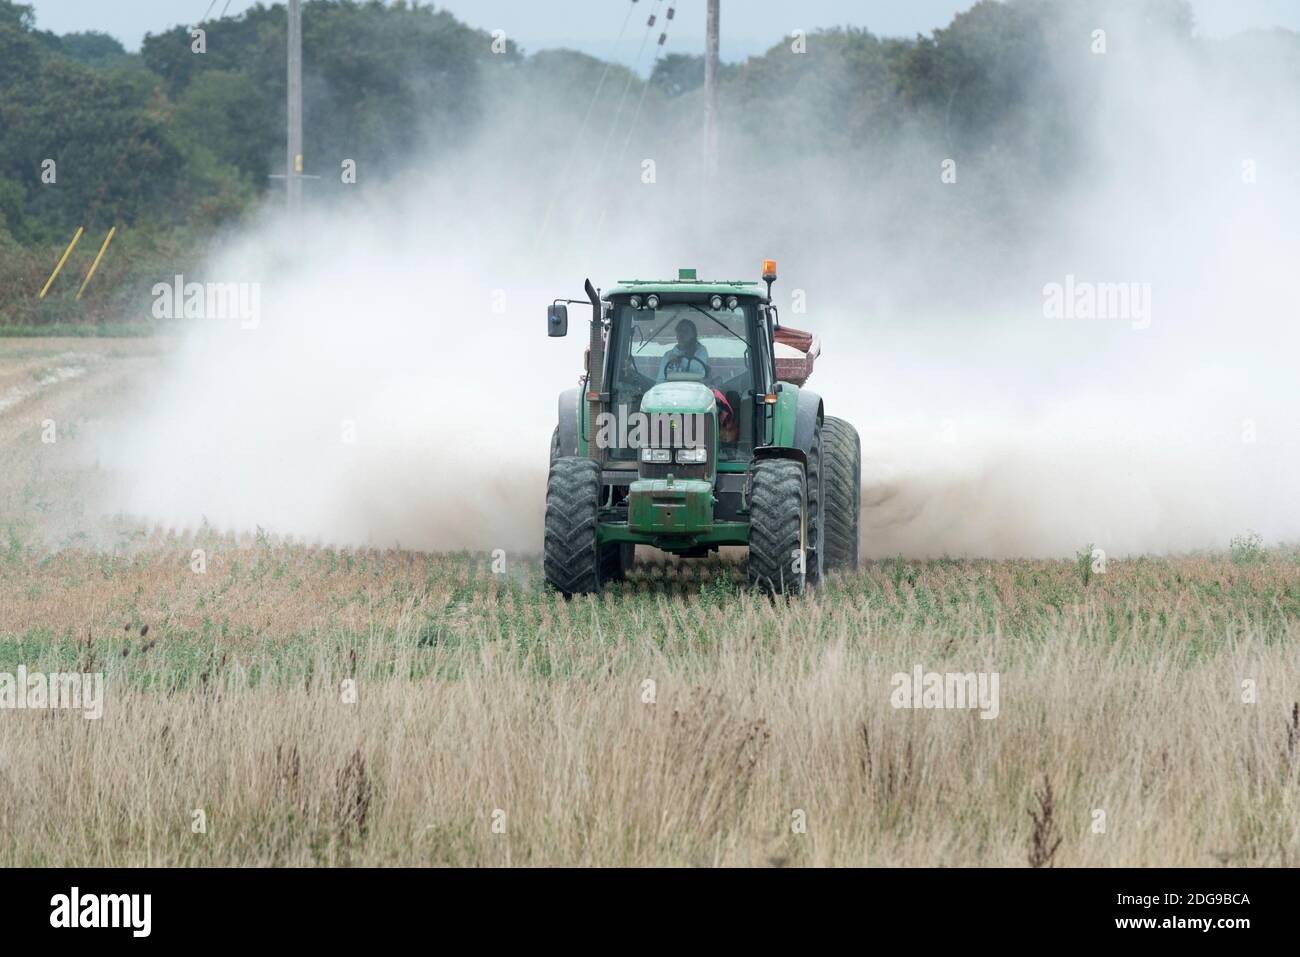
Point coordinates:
[(595, 374)]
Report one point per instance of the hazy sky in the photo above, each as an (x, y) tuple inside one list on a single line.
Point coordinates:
[(748, 26)]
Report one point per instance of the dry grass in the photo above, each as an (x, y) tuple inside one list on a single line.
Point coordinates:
[(496, 724)]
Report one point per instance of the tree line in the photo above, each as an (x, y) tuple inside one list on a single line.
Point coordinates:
[(180, 139)]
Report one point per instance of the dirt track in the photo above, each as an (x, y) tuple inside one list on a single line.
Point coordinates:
[(56, 397)]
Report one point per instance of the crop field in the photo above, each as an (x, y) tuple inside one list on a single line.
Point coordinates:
[(273, 702)]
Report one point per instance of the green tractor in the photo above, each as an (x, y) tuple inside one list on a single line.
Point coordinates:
[(690, 430)]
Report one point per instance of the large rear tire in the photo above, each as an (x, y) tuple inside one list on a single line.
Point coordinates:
[(841, 475), (778, 527), (570, 555)]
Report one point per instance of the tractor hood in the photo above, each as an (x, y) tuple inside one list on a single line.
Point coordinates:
[(679, 397)]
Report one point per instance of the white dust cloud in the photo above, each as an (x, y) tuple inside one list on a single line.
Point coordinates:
[(400, 387)]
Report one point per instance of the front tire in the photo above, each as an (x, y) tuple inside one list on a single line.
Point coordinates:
[(570, 556), (778, 527)]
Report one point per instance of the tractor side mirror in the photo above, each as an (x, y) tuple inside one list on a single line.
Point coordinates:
[(557, 320)]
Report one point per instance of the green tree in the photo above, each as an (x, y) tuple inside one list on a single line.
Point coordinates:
[(678, 73), (92, 48)]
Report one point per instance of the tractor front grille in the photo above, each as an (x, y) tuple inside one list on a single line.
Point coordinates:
[(658, 470)]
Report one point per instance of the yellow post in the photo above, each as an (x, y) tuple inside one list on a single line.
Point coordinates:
[(95, 265), (68, 252)]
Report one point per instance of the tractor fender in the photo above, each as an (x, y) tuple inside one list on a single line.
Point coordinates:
[(781, 452), (807, 416), (568, 421)]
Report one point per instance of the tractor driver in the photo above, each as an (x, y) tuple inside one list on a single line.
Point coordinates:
[(689, 355)]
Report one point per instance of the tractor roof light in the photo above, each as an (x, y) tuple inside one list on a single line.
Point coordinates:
[(769, 275), (635, 302), (716, 302), (732, 302), (652, 301)]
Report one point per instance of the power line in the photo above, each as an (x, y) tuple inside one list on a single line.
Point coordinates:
[(627, 141), (613, 127), (605, 72), (577, 143), (663, 39)]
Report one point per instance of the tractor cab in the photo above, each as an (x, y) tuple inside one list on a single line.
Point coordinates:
[(711, 335)]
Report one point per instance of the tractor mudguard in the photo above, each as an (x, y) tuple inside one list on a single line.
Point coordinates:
[(781, 452), (568, 421), (806, 418)]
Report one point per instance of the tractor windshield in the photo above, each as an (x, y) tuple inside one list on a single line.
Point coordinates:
[(688, 341)]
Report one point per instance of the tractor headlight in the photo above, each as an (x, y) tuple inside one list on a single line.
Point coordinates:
[(635, 302), (692, 456), (652, 301), (716, 302), (732, 302), (656, 455)]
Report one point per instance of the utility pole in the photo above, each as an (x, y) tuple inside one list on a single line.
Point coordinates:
[(293, 175), (711, 93)]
